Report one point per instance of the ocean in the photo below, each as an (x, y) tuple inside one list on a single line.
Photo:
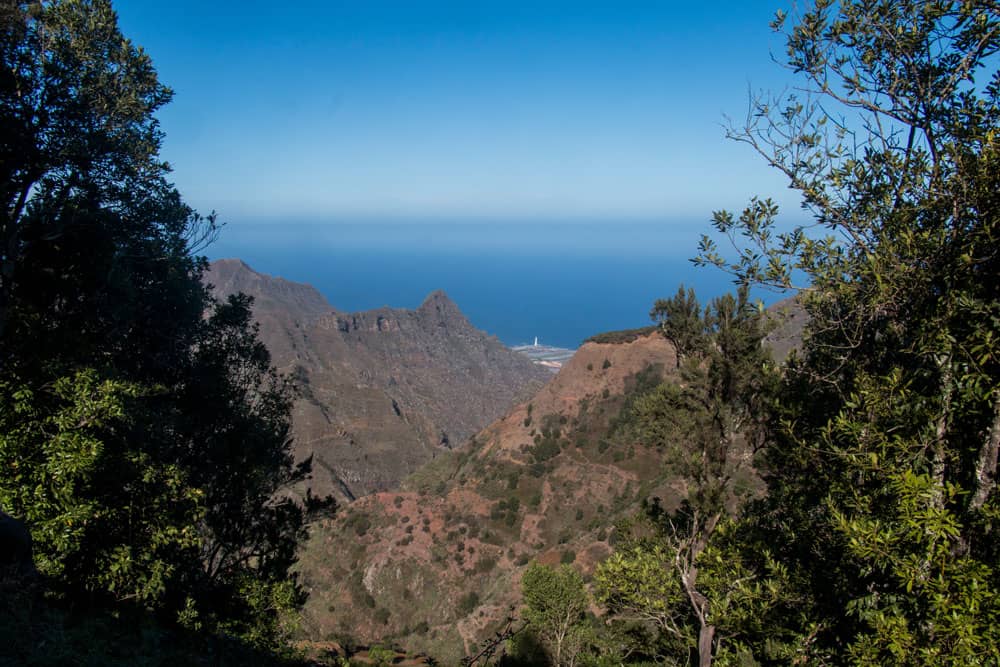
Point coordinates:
[(562, 282)]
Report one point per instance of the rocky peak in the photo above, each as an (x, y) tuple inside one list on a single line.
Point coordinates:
[(383, 391), (439, 306), (271, 293)]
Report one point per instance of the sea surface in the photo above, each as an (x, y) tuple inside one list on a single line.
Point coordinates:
[(562, 282)]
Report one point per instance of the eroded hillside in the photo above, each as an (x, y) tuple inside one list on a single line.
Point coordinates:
[(436, 564)]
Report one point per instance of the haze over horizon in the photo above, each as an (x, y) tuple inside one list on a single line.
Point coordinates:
[(435, 111)]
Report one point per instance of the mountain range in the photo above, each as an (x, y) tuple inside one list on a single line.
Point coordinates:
[(380, 392), (464, 460)]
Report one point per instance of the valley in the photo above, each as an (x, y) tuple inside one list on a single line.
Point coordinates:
[(436, 565), (429, 548)]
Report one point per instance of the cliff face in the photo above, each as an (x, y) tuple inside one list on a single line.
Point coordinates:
[(383, 391)]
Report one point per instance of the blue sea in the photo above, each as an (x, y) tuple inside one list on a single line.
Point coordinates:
[(562, 282)]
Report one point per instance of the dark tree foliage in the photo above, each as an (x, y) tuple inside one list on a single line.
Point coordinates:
[(882, 479), (143, 433)]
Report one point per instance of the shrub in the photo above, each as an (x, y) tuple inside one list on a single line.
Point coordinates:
[(485, 564), (359, 523), (545, 449), (468, 602), (624, 336), (512, 480)]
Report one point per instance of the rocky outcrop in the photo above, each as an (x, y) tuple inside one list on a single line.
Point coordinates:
[(380, 392)]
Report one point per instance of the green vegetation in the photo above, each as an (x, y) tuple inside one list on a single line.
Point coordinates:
[(875, 541), (707, 425), (840, 509), (468, 602), (143, 433), (555, 601), (680, 322), (620, 337)]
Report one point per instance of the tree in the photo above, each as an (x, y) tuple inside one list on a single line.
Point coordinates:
[(709, 423), (639, 583), (76, 103), (145, 431), (882, 478), (555, 602), (648, 580), (680, 322)]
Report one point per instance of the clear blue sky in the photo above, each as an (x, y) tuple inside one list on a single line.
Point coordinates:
[(329, 110)]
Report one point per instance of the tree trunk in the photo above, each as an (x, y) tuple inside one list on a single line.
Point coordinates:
[(939, 455), (705, 636), (986, 465)]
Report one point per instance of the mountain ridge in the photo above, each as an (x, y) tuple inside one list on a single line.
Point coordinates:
[(382, 391)]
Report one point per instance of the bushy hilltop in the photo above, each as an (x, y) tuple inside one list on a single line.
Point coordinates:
[(380, 392), (436, 565)]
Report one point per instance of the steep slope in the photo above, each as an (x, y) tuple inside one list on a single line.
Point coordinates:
[(436, 564), (380, 392)]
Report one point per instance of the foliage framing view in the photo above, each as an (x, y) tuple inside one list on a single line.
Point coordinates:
[(143, 434), (876, 541)]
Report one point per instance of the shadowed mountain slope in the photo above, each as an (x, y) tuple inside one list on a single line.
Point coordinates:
[(379, 392)]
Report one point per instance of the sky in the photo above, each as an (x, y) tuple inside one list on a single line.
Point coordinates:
[(332, 111)]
